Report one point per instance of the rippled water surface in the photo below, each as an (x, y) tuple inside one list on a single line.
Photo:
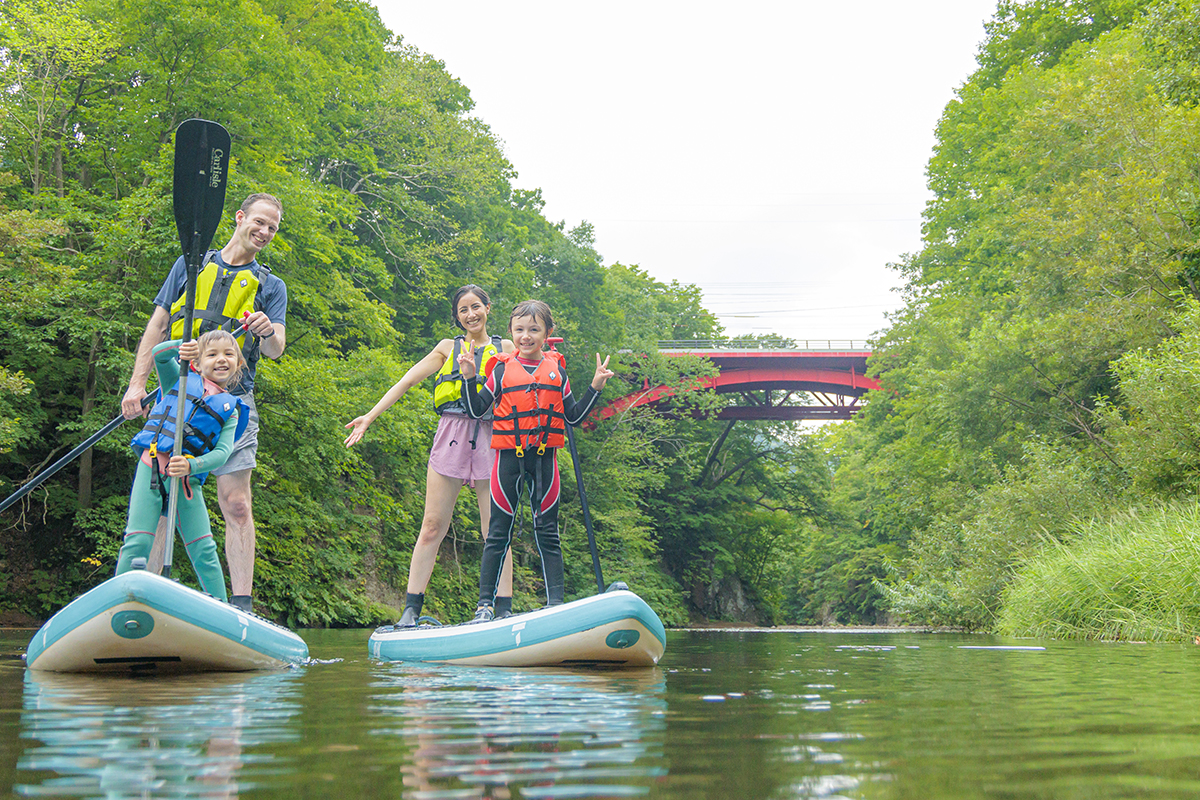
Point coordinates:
[(769, 714)]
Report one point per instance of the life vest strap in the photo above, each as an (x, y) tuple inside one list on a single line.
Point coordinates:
[(554, 413), (207, 442), (555, 388), (164, 413)]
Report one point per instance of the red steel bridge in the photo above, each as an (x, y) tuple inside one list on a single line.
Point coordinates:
[(805, 380)]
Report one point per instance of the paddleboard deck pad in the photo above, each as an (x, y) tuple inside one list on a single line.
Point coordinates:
[(614, 629), (142, 623)]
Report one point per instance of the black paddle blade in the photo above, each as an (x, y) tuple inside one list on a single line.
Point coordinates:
[(201, 170)]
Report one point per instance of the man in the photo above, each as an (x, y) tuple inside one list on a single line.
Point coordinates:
[(231, 283)]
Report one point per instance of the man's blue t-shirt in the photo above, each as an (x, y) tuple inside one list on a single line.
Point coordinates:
[(272, 299)]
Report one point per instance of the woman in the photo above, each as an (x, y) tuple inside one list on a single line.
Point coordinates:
[(461, 453)]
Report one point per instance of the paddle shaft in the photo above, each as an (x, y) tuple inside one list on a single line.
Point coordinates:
[(583, 503), (200, 173), (180, 413), (587, 515), (41, 477)]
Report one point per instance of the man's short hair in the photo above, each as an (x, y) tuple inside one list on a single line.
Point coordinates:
[(262, 197)]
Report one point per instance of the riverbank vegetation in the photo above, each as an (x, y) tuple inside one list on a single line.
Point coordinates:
[(1040, 394), (1129, 576), (1030, 465)]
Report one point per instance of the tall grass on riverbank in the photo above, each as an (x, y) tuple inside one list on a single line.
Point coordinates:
[(1135, 576)]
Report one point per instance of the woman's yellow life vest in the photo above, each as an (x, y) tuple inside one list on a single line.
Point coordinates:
[(223, 296), (448, 384), (529, 409)]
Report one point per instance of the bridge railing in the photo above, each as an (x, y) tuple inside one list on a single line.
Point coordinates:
[(764, 344)]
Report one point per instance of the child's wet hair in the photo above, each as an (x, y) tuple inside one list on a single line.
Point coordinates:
[(532, 308), (211, 337), (470, 288)]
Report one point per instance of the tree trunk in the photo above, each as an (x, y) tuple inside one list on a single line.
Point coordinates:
[(35, 169), (89, 402), (59, 184), (714, 452)]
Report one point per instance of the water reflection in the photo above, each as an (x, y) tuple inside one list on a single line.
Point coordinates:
[(180, 736), (492, 733), (756, 715), (935, 717)]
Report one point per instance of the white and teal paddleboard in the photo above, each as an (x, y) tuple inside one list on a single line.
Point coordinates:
[(614, 629), (142, 623)]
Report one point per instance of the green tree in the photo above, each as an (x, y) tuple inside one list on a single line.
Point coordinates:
[(1057, 241)]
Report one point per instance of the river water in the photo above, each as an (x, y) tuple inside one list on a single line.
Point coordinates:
[(761, 714)]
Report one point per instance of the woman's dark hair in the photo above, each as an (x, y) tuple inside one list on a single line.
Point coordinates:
[(532, 308), (470, 288)]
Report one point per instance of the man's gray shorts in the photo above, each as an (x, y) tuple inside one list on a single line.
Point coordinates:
[(245, 449)]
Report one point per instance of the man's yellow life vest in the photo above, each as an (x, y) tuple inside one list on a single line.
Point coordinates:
[(448, 385), (223, 296)]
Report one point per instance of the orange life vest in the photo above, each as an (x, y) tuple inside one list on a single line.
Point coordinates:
[(529, 406)]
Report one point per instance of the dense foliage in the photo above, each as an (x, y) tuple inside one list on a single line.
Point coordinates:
[(1032, 456), (1036, 378), (394, 194)]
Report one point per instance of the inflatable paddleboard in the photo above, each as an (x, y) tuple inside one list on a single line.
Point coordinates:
[(142, 623), (614, 629)]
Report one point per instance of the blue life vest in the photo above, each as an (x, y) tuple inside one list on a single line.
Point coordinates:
[(204, 416)]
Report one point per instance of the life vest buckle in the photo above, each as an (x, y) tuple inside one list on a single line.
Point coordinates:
[(542, 449), (520, 451)]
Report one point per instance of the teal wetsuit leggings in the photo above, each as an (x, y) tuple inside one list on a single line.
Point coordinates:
[(146, 506)]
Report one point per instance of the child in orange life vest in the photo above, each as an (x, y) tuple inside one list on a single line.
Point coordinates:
[(214, 421), (534, 405)]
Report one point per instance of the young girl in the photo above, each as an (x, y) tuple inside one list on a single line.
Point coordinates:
[(214, 421), (533, 406), (461, 452)]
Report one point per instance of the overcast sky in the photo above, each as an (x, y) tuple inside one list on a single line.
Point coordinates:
[(772, 153)]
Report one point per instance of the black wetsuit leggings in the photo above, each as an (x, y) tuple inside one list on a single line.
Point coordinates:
[(511, 476)]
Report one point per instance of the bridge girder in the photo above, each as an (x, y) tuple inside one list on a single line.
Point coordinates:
[(788, 413), (838, 389)]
